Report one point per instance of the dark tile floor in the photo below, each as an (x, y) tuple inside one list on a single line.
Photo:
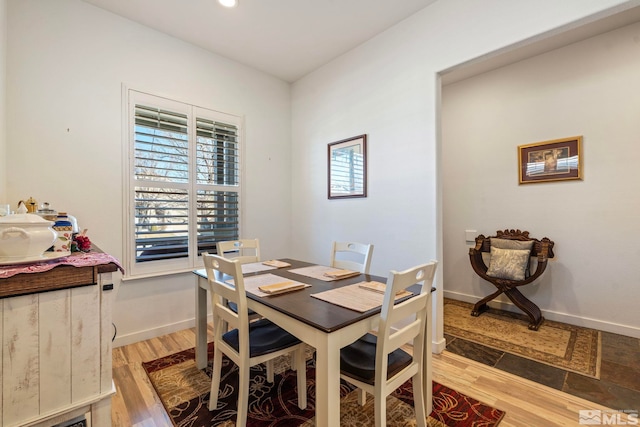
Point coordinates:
[(618, 387)]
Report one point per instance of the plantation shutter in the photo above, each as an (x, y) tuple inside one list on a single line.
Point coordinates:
[(184, 183), (217, 161), (162, 159)]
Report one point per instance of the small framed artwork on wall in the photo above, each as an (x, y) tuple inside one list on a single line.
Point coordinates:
[(555, 160), (347, 168)]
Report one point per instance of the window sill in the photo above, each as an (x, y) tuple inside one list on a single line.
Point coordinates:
[(158, 274)]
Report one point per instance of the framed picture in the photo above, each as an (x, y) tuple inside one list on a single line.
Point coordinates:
[(556, 160), (347, 168)]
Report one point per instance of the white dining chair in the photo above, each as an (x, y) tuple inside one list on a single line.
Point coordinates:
[(249, 343), (351, 256), (376, 364), (244, 250)]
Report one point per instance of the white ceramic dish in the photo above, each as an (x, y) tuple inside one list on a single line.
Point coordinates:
[(47, 256), (25, 236)]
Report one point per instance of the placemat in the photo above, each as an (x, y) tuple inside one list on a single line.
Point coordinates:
[(318, 272), (252, 283), (256, 267), (355, 297)]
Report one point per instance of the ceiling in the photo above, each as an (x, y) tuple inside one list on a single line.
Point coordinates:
[(284, 38)]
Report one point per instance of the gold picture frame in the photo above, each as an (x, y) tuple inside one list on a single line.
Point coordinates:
[(555, 160)]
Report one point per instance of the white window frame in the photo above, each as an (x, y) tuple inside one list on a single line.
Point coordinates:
[(131, 97)]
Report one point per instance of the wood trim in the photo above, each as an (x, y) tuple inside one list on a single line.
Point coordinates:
[(106, 268)]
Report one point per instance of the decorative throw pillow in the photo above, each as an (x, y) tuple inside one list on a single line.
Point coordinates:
[(508, 264), (511, 244)]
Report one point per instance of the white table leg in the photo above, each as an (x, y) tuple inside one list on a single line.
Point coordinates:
[(328, 385), (426, 357), (201, 324)]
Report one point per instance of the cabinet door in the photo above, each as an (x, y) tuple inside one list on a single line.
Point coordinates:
[(54, 313), (54, 347), (85, 342), (20, 358)]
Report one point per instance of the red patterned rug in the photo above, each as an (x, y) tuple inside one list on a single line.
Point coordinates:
[(184, 392)]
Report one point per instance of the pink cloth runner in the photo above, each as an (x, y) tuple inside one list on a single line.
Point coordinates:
[(77, 259)]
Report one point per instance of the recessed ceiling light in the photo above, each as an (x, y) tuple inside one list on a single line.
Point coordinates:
[(228, 3)]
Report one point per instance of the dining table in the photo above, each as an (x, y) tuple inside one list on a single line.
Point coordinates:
[(323, 325)]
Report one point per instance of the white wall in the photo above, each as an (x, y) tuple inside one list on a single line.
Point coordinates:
[(3, 86), (388, 89), (67, 61), (590, 88)]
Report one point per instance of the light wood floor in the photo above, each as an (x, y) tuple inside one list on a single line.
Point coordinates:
[(526, 403)]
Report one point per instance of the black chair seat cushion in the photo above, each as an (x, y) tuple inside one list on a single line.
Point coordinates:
[(264, 337), (234, 307), (358, 360)]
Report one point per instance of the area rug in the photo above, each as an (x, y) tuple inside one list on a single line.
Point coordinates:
[(568, 347), (184, 392)]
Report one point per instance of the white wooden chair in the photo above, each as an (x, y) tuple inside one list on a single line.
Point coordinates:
[(352, 256), (249, 343), (376, 364), (244, 250)]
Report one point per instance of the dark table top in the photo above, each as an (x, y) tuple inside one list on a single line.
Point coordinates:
[(320, 314)]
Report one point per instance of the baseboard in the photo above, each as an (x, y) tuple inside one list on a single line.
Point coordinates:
[(570, 319), (146, 334), (438, 347)]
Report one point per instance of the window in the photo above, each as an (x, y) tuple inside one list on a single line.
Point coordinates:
[(183, 183)]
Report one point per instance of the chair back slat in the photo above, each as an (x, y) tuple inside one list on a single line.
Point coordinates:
[(226, 290), (348, 265), (352, 256), (404, 335), (406, 308), (244, 250)]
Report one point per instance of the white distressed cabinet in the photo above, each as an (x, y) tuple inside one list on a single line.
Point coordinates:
[(56, 335)]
